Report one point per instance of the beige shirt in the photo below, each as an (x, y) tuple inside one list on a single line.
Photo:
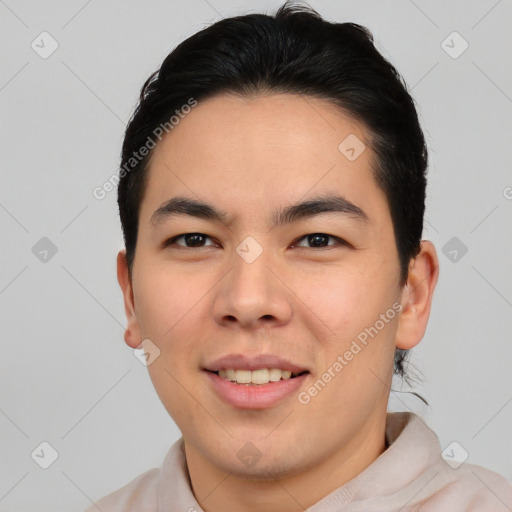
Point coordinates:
[(409, 476)]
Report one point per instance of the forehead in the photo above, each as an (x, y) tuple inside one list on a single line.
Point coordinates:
[(248, 153)]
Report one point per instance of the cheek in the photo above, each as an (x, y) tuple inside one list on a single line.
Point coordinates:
[(164, 300), (173, 307), (169, 315), (347, 306), (174, 389), (344, 300)]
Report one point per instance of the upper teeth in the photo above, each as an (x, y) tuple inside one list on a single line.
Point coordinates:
[(261, 376)]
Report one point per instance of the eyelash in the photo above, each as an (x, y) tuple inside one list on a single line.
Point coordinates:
[(172, 241)]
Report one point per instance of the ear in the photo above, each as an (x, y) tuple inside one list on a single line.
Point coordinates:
[(132, 335), (417, 296)]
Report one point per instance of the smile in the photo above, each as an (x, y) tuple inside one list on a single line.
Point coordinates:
[(258, 377), (254, 395)]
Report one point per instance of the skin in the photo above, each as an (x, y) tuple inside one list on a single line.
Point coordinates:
[(249, 157)]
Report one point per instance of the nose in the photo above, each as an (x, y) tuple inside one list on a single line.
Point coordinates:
[(252, 295)]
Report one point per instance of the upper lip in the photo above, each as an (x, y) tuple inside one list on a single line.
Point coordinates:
[(244, 362)]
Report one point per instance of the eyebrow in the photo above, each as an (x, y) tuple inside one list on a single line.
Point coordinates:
[(289, 214)]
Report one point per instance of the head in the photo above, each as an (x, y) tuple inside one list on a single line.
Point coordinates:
[(243, 122)]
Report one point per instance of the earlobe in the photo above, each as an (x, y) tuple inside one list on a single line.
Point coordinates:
[(132, 335), (417, 297)]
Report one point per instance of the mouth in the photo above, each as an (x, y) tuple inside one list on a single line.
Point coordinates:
[(262, 388), (256, 381), (259, 377)]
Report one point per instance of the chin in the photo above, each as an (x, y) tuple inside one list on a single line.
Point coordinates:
[(250, 464), (268, 472)]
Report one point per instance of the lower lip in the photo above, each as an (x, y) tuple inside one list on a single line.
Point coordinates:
[(255, 396)]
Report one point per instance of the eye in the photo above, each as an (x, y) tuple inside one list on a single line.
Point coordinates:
[(319, 240), (191, 240)]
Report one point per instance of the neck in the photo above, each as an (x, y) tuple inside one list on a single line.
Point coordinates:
[(220, 491)]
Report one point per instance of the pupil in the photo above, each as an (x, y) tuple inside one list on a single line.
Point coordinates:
[(195, 238), (313, 239)]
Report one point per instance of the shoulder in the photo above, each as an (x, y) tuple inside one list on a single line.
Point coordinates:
[(429, 480), (139, 495), (458, 486), (146, 492), (468, 488)]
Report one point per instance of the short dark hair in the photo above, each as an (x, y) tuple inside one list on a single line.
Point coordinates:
[(297, 52)]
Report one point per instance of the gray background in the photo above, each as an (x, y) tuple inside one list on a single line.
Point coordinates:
[(67, 377)]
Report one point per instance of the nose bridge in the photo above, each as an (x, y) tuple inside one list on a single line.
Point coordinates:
[(251, 293)]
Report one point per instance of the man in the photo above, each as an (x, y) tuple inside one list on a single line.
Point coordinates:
[(272, 191)]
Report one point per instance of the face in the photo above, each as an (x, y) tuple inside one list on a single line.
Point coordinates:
[(253, 284)]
